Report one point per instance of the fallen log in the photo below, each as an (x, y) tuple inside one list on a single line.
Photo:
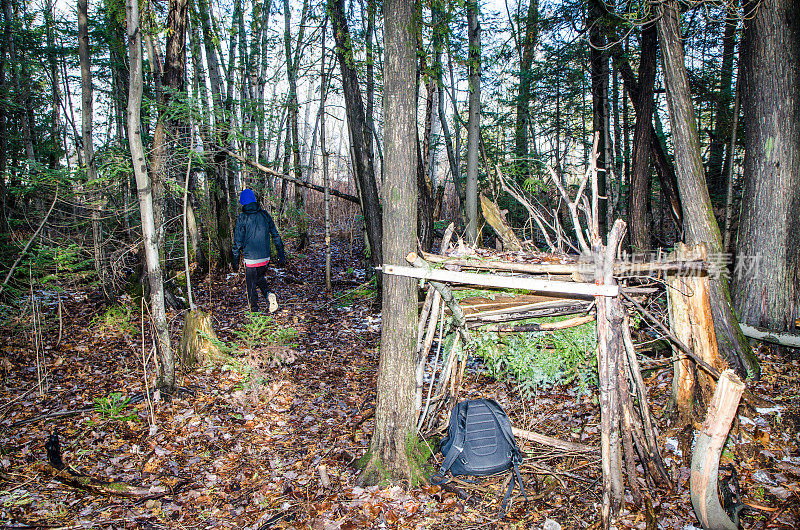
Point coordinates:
[(68, 476), (707, 450), (621, 268), (549, 441), (791, 340)]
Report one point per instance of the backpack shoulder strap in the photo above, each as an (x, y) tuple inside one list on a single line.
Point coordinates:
[(455, 450)]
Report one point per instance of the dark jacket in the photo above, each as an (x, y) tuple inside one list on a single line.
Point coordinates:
[(254, 227)]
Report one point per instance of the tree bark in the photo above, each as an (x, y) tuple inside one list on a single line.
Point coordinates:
[(598, 62), (521, 125), (323, 89), (768, 293), (699, 222), (474, 123), (359, 131), (664, 168), (218, 166), (292, 63), (166, 377), (715, 175), (394, 436), (639, 194), (86, 140)]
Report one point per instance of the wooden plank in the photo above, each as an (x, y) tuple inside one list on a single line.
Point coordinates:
[(503, 282)]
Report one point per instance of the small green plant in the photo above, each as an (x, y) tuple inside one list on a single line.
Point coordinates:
[(365, 291), (17, 497), (540, 359), (112, 406), (261, 329), (115, 319)]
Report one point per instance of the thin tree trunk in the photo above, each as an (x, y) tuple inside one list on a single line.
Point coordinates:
[(219, 183), (639, 193), (474, 123), (325, 178), (359, 132), (699, 222), (166, 378), (722, 128), (5, 45), (86, 138), (598, 61), (527, 50)]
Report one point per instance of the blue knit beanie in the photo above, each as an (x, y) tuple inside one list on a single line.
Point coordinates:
[(247, 197)]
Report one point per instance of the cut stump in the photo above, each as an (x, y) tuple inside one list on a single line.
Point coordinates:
[(198, 340)]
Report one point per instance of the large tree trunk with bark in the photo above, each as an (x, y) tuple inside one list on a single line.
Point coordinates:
[(768, 279), (359, 131), (639, 194), (394, 436), (699, 222), (474, 123), (166, 377)]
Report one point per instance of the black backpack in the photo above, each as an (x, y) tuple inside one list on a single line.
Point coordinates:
[(479, 442)]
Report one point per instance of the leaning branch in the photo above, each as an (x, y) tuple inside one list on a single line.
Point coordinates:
[(287, 178), (24, 250)]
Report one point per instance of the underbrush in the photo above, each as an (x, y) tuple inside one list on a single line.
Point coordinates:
[(260, 347), (540, 359)]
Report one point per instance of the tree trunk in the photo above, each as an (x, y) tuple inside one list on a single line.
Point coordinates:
[(768, 273), (598, 61), (86, 140), (699, 222), (55, 126), (323, 94), (390, 456), (664, 169), (639, 194), (523, 98), (292, 64), (359, 131), (219, 182), (722, 128), (5, 45), (166, 377), (474, 123)]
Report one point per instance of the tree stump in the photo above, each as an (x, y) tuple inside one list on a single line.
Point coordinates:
[(693, 323), (197, 341)]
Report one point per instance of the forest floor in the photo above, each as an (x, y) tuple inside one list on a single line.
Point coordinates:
[(241, 445)]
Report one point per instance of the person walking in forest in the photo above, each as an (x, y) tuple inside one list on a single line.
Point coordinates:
[(254, 229)]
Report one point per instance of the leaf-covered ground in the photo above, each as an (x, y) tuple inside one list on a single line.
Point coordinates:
[(243, 445)]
